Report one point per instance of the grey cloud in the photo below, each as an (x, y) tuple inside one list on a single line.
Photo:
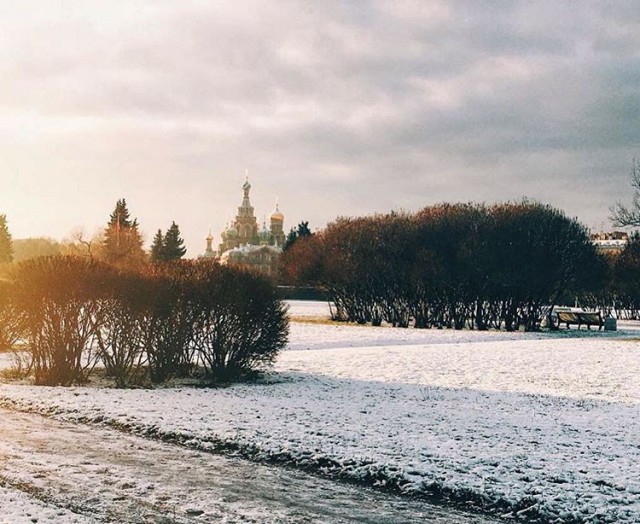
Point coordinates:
[(365, 105)]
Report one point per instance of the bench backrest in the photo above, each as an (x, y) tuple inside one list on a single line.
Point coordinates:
[(566, 316), (592, 318), (579, 318)]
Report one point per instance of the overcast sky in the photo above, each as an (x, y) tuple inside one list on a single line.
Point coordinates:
[(337, 108)]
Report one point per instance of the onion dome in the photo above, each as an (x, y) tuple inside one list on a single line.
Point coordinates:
[(208, 252), (264, 233), (232, 232), (277, 215)]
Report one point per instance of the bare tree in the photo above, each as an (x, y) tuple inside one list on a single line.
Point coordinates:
[(79, 243), (622, 215)]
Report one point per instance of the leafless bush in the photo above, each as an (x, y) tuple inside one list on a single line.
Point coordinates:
[(151, 323), (241, 325), (449, 265), (11, 321), (59, 299)]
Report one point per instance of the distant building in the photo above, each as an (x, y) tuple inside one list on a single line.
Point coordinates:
[(263, 258), (209, 252), (613, 242), (245, 244)]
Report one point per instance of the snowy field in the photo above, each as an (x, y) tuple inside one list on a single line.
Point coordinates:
[(18, 508), (542, 426), (308, 308)]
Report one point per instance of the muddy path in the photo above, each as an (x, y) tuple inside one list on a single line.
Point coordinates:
[(109, 476)]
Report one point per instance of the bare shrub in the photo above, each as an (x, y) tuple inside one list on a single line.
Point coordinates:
[(449, 265), (122, 328), (169, 320), (150, 323), (11, 319), (21, 364), (58, 297), (241, 325)]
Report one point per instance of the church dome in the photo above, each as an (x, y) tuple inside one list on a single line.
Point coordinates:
[(232, 232), (264, 233), (277, 215)]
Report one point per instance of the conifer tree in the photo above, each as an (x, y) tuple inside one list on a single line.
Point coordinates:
[(301, 231), (6, 244), (122, 241), (157, 248), (173, 244)]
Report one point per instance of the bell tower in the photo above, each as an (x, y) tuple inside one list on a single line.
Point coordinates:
[(246, 224), (277, 226)]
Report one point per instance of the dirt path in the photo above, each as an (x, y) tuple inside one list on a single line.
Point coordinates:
[(114, 477)]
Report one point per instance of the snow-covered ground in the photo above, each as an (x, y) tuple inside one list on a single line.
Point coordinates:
[(308, 308), (18, 508), (108, 476), (534, 425)]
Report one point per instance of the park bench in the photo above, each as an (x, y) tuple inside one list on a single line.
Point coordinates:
[(580, 318)]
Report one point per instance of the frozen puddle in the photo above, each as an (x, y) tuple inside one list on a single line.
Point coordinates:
[(103, 475)]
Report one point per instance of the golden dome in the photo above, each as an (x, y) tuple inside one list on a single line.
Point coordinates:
[(277, 215)]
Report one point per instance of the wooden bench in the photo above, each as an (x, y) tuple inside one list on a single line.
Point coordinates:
[(579, 319)]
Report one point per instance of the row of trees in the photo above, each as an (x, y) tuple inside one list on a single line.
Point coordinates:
[(618, 289), (120, 243), (158, 322), (450, 265), (622, 291), (168, 246)]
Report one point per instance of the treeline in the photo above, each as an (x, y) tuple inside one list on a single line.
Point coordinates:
[(119, 243), (450, 265), (619, 289), (181, 319)]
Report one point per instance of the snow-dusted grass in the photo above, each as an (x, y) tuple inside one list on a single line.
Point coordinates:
[(593, 365), (17, 508), (308, 309), (534, 425)]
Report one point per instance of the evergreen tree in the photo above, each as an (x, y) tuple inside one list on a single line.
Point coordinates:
[(173, 244), (6, 244), (122, 241), (291, 237), (157, 248), (302, 230)]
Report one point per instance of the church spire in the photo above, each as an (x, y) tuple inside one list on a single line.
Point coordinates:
[(246, 187)]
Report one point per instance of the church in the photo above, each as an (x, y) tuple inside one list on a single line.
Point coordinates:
[(245, 244)]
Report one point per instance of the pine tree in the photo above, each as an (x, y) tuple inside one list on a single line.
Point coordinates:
[(157, 248), (292, 236), (302, 230), (122, 241), (173, 244), (6, 244)]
